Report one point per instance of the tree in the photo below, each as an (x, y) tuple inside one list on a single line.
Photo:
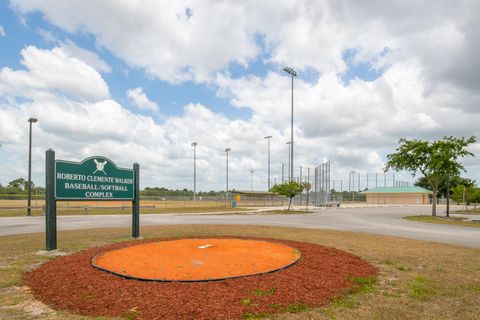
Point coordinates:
[(288, 189), (434, 160), (465, 194), (442, 187), (19, 184), (475, 198)]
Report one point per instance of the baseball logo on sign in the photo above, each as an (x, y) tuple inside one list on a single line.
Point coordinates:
[(100, 166)]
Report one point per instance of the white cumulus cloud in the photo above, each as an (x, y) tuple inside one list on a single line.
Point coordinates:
[(141, 101), (51, 70), (428, 86)]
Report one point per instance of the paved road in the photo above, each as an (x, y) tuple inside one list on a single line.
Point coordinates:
[(386, 221)]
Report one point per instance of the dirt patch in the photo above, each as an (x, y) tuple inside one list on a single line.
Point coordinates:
[(197, 259), (71, 283), (29, 307)]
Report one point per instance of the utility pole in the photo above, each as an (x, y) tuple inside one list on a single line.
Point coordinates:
[(290, 169), (268, 140), (194, 145), (227, 150), (293, 74), (29, 199), (448, 196), (353, 185), (251, 179)]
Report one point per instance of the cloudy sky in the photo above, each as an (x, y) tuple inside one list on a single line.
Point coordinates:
[(138, 81)]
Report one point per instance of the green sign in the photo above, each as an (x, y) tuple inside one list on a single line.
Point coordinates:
[(95, 178)]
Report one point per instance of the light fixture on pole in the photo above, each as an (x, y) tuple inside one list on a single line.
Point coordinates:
[(227, 150), (29, 199), (268, 139), (293, 74), (194, 145)]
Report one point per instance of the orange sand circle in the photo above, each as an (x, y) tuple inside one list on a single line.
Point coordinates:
[(197, 259)]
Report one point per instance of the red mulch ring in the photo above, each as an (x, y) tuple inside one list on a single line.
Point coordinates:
[(197, 259), (71, 283)]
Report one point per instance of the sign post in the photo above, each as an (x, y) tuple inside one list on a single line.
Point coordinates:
[(51, 203), (136, 203), (95, 178)]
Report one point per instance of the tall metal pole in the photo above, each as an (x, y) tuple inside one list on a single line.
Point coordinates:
[(291, 139), (352, 173), (349, 181), (289, 162), (315, 179), (308, 175), (358, 181), (226, 195), (194, 145), (29, 199), (268, 141), (327, 178), (251, 180), (309, 187), (292, 73), (448, 196)]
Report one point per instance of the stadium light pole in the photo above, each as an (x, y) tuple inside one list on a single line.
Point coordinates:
[(290, 174), (194, 145), (251, 179), (227, 150), (29, 199), (352, 173), (293, 74), (268, 140)]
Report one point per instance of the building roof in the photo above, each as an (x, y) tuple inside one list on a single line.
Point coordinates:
[(411, 189)]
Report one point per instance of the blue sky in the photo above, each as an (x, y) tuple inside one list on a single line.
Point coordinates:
[(365, 78), (28, 31)]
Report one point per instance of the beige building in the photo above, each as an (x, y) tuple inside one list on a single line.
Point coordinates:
[(398, 195)]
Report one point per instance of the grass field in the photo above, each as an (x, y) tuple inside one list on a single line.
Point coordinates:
[(291, 211), (457, 221), (157, 203), (417, 280), (470, 211), (16, 208)]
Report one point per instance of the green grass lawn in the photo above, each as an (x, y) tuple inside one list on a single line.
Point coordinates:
[(416, 279), (470, 211), (286, 212), (126, 210), (457, 221)]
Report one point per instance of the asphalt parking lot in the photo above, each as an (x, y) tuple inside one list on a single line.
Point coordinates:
[(376, 220)]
